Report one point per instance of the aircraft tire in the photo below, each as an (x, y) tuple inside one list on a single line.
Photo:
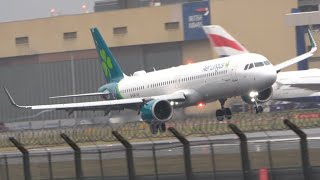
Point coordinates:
[(227, 113), (162, 127), (220, 114), (154, 128)]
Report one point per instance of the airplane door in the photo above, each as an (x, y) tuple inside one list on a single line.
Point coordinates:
[(177, 82), (234, 76)]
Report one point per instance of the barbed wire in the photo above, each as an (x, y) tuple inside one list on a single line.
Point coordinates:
[(139, 131)]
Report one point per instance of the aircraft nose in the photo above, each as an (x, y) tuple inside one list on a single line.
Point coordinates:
[(268, 76)]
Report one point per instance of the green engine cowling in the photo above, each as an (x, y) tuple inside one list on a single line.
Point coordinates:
[(158, 110)]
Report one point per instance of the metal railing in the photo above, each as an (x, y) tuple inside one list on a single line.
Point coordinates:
[(139, 131), (183, 158)]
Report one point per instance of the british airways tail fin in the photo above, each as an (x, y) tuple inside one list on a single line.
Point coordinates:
[(110, 67), (222, 42)]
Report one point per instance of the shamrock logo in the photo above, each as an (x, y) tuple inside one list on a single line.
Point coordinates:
[(227, 64), (106, 63)]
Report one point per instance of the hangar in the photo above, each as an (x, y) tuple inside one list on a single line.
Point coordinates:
[(53, 56)]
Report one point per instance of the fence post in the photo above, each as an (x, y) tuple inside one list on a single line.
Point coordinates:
[(6, 166), (270, 160), (50, 166), (186, 152), (213, 160), (155, 161), (101, 163), (307, 171), (129, 154), (244, 152), (25, 155), (77, 155)]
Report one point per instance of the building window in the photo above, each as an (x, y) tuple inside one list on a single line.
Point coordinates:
[(69, 35), (315, 27), (171, 25), (120, 30), (22, 40)]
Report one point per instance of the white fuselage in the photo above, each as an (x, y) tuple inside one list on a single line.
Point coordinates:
[(297, 85), (205, 81)]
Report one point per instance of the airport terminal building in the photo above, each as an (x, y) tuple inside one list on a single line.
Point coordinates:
[(56, 56)]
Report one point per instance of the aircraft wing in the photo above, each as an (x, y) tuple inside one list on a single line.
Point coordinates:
[(304, 84), (299, 58), (313, 87), (81, 95), (100, 105)]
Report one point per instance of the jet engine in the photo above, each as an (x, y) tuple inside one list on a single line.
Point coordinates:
[(159, 110), (260, 97)]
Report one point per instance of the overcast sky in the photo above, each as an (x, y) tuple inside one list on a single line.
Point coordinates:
[(15, 10)]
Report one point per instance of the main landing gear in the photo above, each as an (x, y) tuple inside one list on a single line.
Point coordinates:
[(158, 126), (223, 112)]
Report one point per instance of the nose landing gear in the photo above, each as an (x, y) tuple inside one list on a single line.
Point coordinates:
[(223, 112), (258, 109)]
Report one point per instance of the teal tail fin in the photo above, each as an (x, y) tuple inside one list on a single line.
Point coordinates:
[(110, 67)]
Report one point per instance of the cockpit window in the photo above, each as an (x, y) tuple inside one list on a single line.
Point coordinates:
[(266, 63), (258, 64), (246, 67), (250, 66)]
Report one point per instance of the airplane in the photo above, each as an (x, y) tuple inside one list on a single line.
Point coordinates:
[(294, 86), (154, 94)]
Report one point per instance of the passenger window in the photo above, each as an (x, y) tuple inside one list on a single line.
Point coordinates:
[(250, 66)]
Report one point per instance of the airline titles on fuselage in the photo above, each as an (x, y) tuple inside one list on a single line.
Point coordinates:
[(215, 67)]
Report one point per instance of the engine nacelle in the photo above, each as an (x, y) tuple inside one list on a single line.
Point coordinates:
[(159, 110), (262, 97)]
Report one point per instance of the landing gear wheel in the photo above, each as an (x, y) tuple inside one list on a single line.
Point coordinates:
[(258, 109), (220, 115), (154, 128), (162, 127), (227, 113)]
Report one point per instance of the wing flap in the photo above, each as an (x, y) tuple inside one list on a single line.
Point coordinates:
[(89, 105)]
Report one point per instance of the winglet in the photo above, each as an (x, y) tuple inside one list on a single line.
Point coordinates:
[(11, 99), (312, 42), (301, 57)]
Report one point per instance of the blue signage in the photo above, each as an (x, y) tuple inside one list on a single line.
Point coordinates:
[(195, 15)]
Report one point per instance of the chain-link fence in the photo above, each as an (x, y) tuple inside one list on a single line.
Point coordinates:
[(140, 131), (166, 159)]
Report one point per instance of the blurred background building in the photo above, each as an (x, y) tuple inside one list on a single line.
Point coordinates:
[(54, 56)]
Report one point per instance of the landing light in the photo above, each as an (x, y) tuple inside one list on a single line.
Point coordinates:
[(171, 103), (253, 94), (253, 100), (189, 61), (200, 105)]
